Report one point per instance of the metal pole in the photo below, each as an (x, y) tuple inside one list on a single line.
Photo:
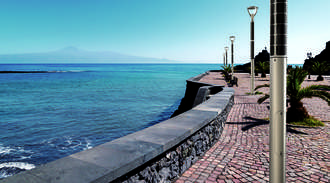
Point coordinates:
[(226, 56), (278, 52), (232, 60), (252, 55)]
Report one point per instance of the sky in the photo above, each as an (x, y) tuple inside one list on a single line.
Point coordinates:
[(182, 30)]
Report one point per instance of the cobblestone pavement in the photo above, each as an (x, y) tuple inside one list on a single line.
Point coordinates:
[(242, 152)]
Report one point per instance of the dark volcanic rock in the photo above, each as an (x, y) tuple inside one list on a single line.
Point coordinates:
[(323, 56), (262, 56)]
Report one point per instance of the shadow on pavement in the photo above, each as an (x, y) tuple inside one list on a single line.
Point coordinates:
[(257, 122)]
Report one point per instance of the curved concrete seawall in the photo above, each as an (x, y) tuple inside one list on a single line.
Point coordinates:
[(159, 153), (196, 93)]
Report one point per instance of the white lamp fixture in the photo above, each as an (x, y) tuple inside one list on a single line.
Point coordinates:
[(252, 12)]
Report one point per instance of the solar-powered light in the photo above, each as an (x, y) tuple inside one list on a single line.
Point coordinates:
[(252, 12)]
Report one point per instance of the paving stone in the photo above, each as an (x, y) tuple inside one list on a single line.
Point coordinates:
[(243, 148)]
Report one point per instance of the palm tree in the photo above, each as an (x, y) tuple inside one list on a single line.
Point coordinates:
[(263, 67), (296, 110), (320, 68), (256, 71), (226, 70)]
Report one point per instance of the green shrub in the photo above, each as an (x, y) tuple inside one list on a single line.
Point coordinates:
[(310, 121)]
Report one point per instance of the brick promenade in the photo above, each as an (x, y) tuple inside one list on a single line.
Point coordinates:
[(242, 152)]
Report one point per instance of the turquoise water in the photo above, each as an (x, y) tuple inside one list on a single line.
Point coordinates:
[(46, 116)]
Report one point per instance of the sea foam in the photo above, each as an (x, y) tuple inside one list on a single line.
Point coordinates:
[(20, 165), (11, 168), (5, 150)]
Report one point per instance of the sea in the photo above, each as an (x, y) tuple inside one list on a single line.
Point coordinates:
[(73, 107)]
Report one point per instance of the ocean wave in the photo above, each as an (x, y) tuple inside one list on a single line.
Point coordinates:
[(11, 168), (25, 157), (4, 174), (20, 165), (69, 143), (88, 144), (5, 150), (10, 150)]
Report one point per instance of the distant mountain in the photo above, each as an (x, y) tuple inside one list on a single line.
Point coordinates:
[(75, 55)]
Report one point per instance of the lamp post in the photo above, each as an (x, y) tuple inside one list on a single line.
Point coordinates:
[(309, 56), (232, 38), (224, 58), (226, 48), (252, 12), (278, 57)]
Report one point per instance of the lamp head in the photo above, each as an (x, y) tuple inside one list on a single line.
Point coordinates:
[(226, 48), (252, 10), (232, 38)]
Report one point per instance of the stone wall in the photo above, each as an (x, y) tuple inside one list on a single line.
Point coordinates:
[(178, 159)]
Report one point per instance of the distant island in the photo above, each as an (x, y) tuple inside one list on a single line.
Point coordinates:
[(75, 55)]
